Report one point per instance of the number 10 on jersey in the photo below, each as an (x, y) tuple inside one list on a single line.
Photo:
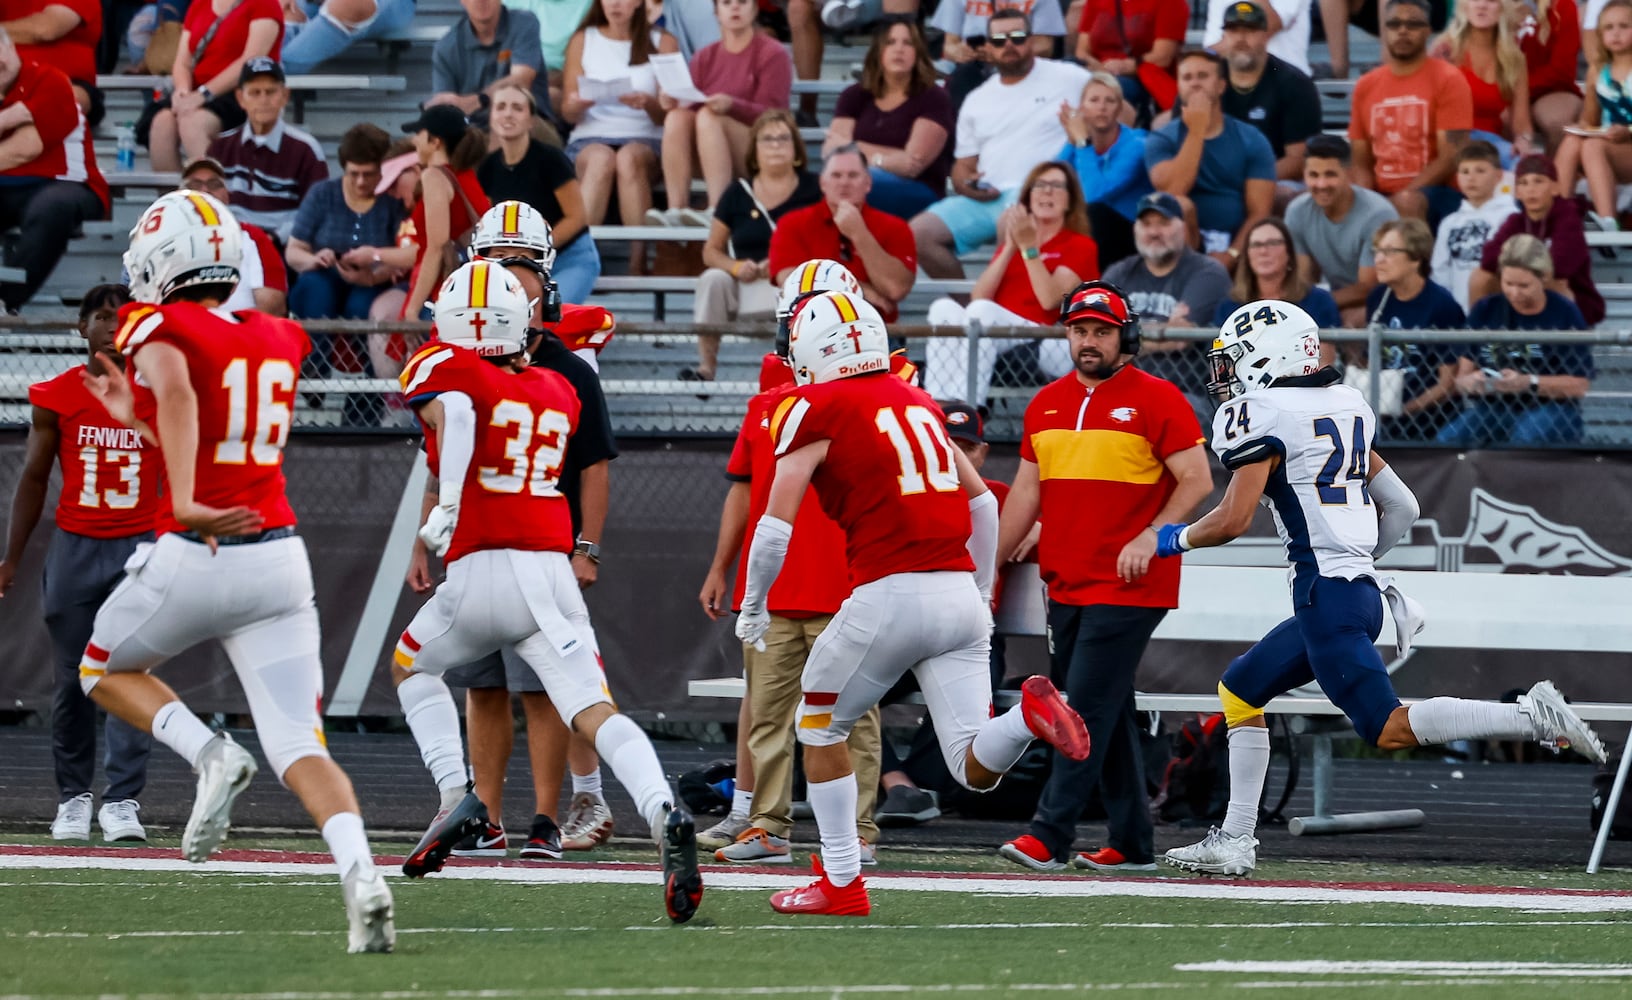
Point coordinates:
[(939, 469)]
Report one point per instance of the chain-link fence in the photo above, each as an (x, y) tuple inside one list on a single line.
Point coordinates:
[(349, 383)]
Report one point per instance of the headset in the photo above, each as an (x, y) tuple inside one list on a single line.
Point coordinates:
[(1128, 328)]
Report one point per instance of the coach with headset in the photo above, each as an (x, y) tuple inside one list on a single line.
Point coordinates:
[(1109, 454)]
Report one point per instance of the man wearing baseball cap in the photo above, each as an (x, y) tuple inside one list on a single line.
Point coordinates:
[(1286, 21), (1107, 452), (270, 164), (1266, 91)]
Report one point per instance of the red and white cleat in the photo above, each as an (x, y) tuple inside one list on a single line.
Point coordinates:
[(1051, 719), (823, 897)]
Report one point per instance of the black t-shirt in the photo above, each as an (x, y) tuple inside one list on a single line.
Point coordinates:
[(592, 441), (533, 181), (750, 232), (1284, 106)]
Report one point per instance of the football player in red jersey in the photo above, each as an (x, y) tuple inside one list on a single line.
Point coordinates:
[(228, 564), (109, 499), (913, 511), (496, 432)]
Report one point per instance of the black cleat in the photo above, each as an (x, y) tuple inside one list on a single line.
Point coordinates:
[(682, 882), (449, 827)]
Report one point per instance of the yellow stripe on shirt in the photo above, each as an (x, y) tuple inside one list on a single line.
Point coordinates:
[(1105, 455)]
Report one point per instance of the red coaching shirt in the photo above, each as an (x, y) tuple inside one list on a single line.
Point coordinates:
[(1100, 456), (523, 421), (815, 578), (66, 154), (889, 478), (243, 369), (110, 476), (810, 232)]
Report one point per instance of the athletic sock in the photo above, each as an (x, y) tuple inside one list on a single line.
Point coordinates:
[(1441, 720), (834, 803), (347, 841), (1002, 741), (432, 718), (179, 729), (634, 763), (1249, 764), (742, 803), (588, 784)]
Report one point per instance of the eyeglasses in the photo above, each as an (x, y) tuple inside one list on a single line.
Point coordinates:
[(1012, 38), (1273, 244), (1398, 25), (776, 139), (1051, 186), (1390, 251), (205, 185)]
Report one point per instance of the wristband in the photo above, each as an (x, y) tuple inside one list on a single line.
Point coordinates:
[(1172, 539)]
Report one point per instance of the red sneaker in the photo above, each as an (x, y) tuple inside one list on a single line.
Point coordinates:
[(1109, 859), (1051, 719), (1029, 851), (823, 897)]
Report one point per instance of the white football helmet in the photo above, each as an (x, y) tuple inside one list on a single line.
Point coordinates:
[(1259, 343), (482, 306), (513, 224), (184, 239), (837, 335), (813, 277)]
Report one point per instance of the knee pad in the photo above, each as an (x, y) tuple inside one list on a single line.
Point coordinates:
[(93, 666), (816, 726), (1236, 711)]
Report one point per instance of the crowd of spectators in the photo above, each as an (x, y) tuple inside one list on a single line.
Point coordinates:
[(1057, 141)]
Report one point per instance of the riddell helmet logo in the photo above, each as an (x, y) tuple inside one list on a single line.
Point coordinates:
[(862, 368)]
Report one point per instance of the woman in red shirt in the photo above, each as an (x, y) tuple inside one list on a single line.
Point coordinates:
[(1044, 251), (1480, 41), (450, 202), (1549, 32), (1136, 41), (217, 38)]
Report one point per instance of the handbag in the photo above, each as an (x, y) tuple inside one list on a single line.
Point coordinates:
[(453, 254), (1391, 381)]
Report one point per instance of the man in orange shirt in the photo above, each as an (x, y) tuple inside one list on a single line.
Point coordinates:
[(1116, 448), (1409, 118)]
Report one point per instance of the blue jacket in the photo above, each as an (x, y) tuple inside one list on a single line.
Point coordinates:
[(1116, 177)]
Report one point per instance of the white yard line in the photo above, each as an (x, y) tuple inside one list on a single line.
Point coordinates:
[(1450, 969)]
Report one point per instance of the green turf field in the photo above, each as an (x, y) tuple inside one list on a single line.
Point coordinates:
[(71, 930)]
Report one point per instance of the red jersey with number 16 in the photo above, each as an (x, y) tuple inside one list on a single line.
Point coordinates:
[(889, 479), (110, 476), (523, 421), (243, 368)]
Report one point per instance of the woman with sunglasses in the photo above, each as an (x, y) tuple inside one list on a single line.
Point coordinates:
[(901, 120)]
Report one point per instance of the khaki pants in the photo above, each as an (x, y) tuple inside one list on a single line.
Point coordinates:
[(773, 694), (721, 298)]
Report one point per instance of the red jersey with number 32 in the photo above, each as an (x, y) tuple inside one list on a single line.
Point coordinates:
[(110, 476), (243, 367), (523, 421), (889, 479)]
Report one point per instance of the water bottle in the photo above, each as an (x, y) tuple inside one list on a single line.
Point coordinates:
[(127, 146)]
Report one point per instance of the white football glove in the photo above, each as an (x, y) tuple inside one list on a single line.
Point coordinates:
[(437, 534), (752, 626)]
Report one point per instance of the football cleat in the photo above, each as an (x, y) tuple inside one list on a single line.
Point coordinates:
[(1032, 853), (450, 825), (1051, 719), (822, 897), (589, 823), (488, 842), (1218, 853), (1557, 725), (682, 882), (224, 771), (1109, 859), (369, 911)]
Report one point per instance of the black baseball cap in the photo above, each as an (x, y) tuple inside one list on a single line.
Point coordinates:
[(963, 422), (444, 121), (1246, 14), (1160, 201), (261, 66)]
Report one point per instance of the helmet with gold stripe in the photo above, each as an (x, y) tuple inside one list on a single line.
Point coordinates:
[(837, 335), (510, 226), (483, 307), (185, 240), (811, 278)]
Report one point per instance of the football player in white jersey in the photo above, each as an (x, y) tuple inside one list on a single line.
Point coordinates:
[(1296, 439)]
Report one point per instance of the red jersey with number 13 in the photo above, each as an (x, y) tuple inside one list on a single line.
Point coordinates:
[(243, 368), (889, 479), (110, 476), (523, 421)]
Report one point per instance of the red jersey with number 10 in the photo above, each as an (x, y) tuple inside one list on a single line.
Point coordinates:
[(110, 476), (890, 479), (243, 368), (523, 421)]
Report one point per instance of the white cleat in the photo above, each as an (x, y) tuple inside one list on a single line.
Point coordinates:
[(224, 771), (1557, 725), (73, 820), (369, 910), (1218, 853)]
